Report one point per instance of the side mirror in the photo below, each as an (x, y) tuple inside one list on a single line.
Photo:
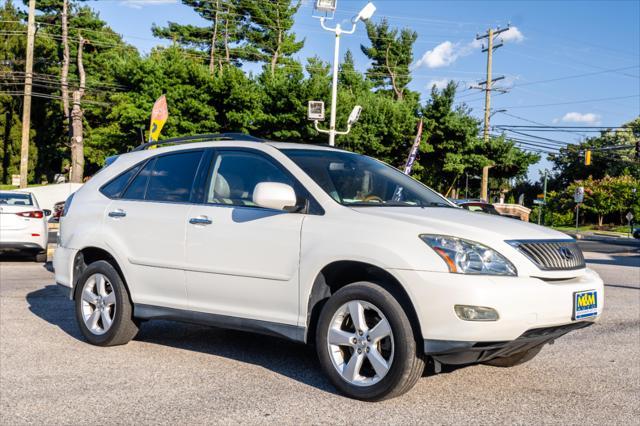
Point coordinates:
[(46, 212), (274, 195)]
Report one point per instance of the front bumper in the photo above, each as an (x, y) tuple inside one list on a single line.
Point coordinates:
[(459, 353), (523, 304)]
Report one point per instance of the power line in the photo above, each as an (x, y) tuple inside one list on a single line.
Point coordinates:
[(569, 77), (49, 96), (573, 102)]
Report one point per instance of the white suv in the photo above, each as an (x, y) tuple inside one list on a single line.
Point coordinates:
[(316, 245)]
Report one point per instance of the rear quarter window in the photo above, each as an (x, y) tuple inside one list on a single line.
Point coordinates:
[(116, 186)]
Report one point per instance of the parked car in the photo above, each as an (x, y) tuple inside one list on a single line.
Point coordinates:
[(23, 225), (481, 206), (317, 245), (58, 208)]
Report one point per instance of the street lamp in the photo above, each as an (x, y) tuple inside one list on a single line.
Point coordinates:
[(365, 14)]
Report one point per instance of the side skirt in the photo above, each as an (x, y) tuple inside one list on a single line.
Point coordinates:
[(290, 332)]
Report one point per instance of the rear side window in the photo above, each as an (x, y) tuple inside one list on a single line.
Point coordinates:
[(137, 188), (172, 177), (115, 188)]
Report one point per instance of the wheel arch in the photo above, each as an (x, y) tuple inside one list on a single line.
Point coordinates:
[(89, 255), (340, 273)]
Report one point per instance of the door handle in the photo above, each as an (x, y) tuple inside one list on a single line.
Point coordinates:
[(117, 213), (200, 220)]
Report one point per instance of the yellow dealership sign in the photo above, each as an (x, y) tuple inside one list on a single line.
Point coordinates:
[(159, 116)]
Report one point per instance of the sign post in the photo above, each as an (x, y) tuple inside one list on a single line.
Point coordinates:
[(629, 217), (539, 201), (578, 197)]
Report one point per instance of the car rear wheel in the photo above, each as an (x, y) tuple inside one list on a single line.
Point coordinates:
[(103, 309), (366, 345)]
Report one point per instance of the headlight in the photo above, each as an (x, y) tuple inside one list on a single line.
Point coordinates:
[(468, 257)]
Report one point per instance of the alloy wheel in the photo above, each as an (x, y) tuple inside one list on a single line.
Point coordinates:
[(98, 304), (360, 343)]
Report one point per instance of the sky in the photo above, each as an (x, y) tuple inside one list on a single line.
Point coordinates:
[(569, 63)]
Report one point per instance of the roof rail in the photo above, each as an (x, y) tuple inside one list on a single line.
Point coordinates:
[(212, 136)]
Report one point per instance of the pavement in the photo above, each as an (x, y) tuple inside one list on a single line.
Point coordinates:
[(179, 373)]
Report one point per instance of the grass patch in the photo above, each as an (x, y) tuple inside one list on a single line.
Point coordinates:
[(5, 187), (610, 230)]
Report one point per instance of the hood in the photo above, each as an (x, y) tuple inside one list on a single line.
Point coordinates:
[(463, 223), (490, 230)]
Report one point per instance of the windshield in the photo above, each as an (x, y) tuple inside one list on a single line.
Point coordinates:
[(356, 180), (15, 199)]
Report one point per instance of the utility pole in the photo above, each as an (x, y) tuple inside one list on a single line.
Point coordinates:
[(77, 140), (26, 109), (490, 36), (544, 196)]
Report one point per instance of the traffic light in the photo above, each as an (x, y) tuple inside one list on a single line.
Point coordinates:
[(587, 157)]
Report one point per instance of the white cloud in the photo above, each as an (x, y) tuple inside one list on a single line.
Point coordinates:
[(139, 4), (442, 55), (447, 52), (439, 83), (513, 34), (577, 117)]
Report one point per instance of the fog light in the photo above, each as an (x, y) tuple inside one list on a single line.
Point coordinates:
[(476, 313)]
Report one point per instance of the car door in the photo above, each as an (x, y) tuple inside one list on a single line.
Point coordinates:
[(242, 260), (147, 223)]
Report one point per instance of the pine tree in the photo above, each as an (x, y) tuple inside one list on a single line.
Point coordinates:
[(268, 31), (391, 55), (221, 40)]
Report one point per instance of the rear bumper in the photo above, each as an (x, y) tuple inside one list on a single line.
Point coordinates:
[(461, 352), (21, 246), (63, 265)]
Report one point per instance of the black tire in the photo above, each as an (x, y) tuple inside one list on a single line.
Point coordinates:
[(123, 327), (407, 365), (515, 359), (40, 257)]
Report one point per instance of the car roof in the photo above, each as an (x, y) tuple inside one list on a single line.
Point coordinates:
[(11, 191), (229, 143), (301, 145)]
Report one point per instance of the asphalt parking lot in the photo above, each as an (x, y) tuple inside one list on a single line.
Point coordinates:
[(177, 373)]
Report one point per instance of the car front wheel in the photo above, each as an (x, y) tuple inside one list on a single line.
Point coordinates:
[(103, 309), (366, 345)]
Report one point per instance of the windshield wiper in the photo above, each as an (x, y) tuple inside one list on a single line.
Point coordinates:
[(438, 204)]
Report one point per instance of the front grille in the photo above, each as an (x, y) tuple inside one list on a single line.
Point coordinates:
[(552, 255)]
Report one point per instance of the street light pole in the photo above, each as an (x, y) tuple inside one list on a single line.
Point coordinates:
[(363, 15), (334, 81)]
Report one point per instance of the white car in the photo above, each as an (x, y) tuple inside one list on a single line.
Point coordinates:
[(23, 224), (317, 245)]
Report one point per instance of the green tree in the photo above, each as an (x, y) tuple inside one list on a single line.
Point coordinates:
[(267, 30), (568, 164), (391, 54), (190, 96), (220, 39), (284, 104), (451, 141)]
